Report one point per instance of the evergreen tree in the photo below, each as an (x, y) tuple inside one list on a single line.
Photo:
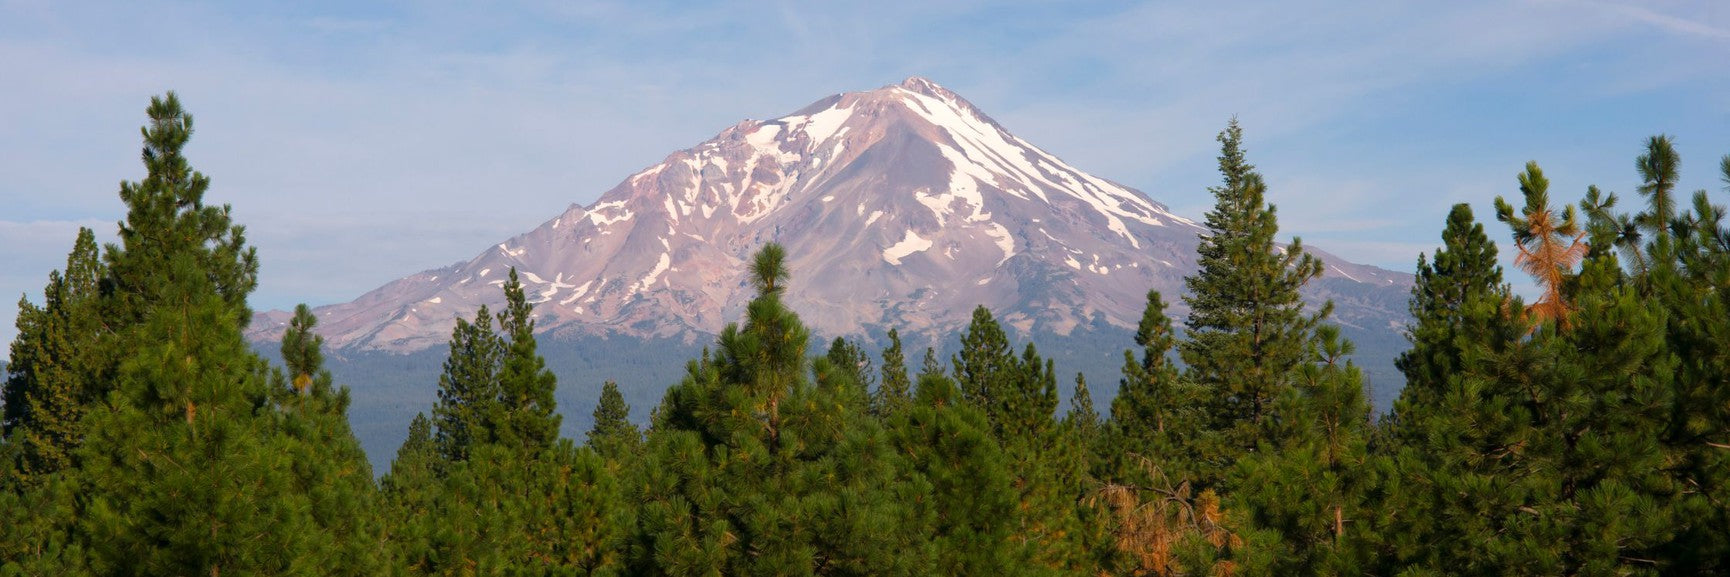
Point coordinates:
[(948, 447), (413, 469), (468, 388), (1541, 454), (301, 352), (1313, 488), (167, 219), (39, 535), (984, 355), (1607, 230), (614, 437), (896, 391), (497, 513), (525, 418), (49, 383), (847, 365), (412, 487), (1155, 413), (1018, 396), (930, 365), (1247, 327), (1549, 243), (1082, 419), (504, 495), (1464, 272), (751, 470), (186, 467), (328, 464), (1446, 411), (850, 358), (1695, 293), (1659, 168)]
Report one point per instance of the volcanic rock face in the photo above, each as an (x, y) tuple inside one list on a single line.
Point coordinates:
[(902, 207)]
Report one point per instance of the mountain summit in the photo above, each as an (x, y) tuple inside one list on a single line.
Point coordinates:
[(904, 206)]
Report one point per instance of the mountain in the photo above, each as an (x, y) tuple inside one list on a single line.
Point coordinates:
[(904, 206)]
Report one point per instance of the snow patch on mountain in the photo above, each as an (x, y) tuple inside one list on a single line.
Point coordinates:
[(820, 126), (909, 244), (661, 266)]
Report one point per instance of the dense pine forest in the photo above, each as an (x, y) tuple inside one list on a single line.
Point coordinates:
[(1584, 433)]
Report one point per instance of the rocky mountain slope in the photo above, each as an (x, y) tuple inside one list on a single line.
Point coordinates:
[(903, 206)]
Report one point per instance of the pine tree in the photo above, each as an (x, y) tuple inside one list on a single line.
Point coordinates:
[(1018, 396), (949, 448), (984, 356), (185, 468), (468, 388), (504, 494), (1549, 243), (496, 513), (930, 365), (1695, 293), (768, 355), (413, 467), (896, 391), (751, 470), (39, 536), (1247, 327), (50, 383), (1155, 413), (1605, 229), (1659, 168), (408, 491), (329, 466), (1541, 454), (847, 359), (1161, 528), (1312, 485), (1603, 406), (1464, 272), (848, 356), (614, 437), (526, 419), (1082, 419), (170, 198)]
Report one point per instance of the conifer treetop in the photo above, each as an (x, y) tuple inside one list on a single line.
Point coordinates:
[(1550, 243)]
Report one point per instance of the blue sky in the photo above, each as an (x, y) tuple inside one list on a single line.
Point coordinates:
[(360, 142)]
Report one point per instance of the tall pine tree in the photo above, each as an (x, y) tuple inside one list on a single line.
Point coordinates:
[(468, 388), (1247, 326), (525, 420), (188, 466)]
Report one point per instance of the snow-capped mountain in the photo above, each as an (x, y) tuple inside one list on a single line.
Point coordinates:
[(903, 206)]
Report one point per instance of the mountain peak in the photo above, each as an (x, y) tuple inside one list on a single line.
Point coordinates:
[(923, 85), (906, 203)]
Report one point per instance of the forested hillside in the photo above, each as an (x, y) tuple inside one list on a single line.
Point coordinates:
[(1585, 433)]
